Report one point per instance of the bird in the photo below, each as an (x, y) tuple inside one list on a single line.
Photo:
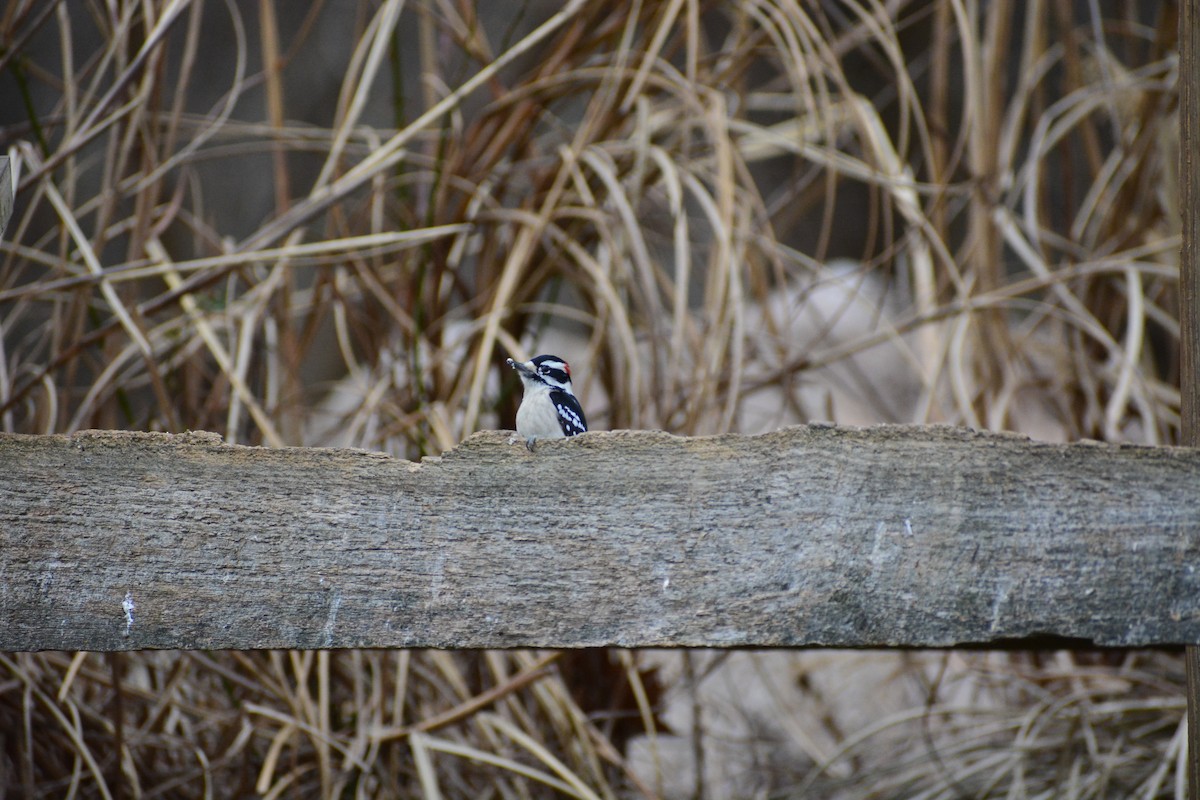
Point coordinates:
[(549, 409)]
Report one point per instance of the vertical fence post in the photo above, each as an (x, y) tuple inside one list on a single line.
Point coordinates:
[(1189, 308)]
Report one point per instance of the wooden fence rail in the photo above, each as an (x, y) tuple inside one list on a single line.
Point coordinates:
[(818, 535)]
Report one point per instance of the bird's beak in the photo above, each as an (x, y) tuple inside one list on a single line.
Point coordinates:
[(522, 367)]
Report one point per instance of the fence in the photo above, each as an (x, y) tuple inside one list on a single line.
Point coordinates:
[(878, 537)]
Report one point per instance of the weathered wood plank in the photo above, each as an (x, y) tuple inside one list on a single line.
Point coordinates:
[(808, 536)]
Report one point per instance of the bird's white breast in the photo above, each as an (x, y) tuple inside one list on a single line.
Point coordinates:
[(537, 418)]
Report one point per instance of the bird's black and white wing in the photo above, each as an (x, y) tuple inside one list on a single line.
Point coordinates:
[(570, 413)]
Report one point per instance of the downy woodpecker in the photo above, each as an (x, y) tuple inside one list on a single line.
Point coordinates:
[(549, 409)]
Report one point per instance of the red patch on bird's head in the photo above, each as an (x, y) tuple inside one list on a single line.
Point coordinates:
[(567, 369)]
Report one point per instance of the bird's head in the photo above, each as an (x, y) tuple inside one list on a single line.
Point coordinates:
[(548, 371)]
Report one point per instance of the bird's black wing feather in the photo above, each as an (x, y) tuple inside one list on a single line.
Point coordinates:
[(570, 413)]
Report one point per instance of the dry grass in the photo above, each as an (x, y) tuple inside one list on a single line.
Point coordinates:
[(299, 724), (729, 215)]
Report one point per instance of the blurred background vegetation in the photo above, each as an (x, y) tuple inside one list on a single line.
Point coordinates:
[(328, 223)]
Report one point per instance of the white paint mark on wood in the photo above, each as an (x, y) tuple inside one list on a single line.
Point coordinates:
[(331, 620), (128, 606), (998, 602)]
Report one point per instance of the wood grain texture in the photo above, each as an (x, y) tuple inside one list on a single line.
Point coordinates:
[(815, 535)]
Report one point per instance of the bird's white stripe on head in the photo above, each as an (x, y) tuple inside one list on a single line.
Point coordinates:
[(551, 369)]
